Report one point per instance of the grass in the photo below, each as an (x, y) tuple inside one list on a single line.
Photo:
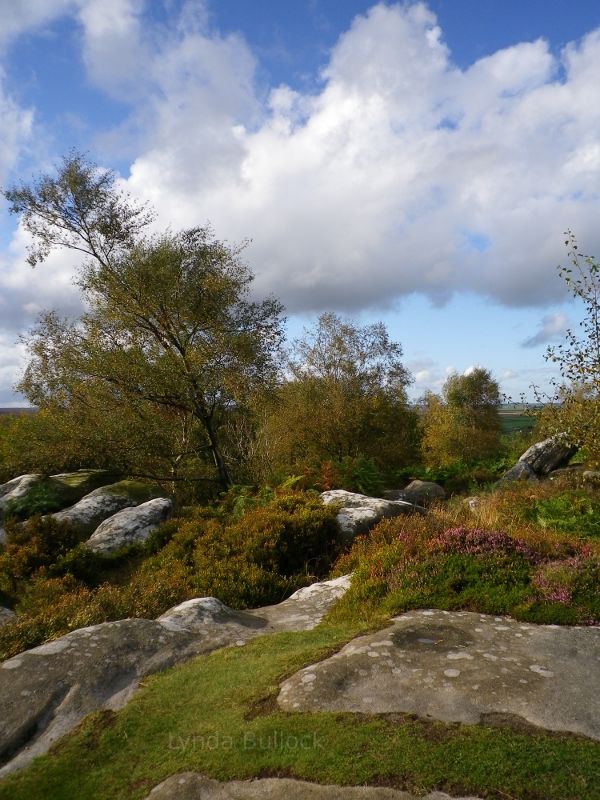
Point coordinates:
[(206, 716)]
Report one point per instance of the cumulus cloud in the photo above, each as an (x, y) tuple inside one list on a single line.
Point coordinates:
[(552, 328), (20, 17), (403, 174)]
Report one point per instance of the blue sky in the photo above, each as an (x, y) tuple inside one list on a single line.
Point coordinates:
[(410, 162)]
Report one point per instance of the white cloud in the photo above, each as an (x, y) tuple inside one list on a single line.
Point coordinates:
[(552, 328), (403, 174), (20, 16)]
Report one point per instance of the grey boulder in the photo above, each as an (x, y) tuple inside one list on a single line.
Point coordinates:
[(358, 513), (192, 786), (521, 471), (543, 457), (422, 492), (129, 525), (461, 667), (17, 488), (97, 506)]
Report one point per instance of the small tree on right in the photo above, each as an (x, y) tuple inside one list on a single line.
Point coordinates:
[(463, 424), (574, 410)]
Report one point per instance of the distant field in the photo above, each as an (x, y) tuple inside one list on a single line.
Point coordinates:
[(18, 410), (515, 421)]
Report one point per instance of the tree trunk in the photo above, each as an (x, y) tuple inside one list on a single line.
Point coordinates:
[(224, 479)]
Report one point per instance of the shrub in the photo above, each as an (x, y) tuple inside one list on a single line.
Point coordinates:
[(403, 566), (249, 560), (35, 544)]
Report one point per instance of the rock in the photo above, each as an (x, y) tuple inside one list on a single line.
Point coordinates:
[(461, 667), (6, 615), (591, 475), (359, 513), (45, 692), (520, 472), (2, 536), (543, 457), (570, 469), (16, 488), (422, 492), (66, 487), (394, 494), (473, 503), (103, 503), (129, 525), (192, 786)]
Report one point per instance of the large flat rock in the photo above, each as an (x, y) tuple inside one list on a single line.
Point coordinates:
[(46, 691), (461, 667), (192, 786)]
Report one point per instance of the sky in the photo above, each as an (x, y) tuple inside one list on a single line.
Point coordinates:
[(415, 163)]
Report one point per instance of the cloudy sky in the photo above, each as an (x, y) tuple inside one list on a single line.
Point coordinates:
[(415, 163)]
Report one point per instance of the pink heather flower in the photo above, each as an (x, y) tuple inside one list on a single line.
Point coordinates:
[(476, 541)]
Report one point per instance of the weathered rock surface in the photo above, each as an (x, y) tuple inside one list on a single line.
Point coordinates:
[(129, 525), (2, 536), (359, 513), (543, 457), (461, 667), (6, 615), (16, 488), (46, 691), (101, 504), (192, 786), (423, 492), (520, 472)]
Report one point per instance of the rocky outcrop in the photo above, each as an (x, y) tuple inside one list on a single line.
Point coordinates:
[(520, 472), (192, 786), (541, 459), (103, 503), (46, 691), (359, 513), (17, 488), (66, 487), (129, 525), (461, 667)]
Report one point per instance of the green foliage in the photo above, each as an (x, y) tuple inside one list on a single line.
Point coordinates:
[(346, 400), (263, 555), (402, 566), (573, 512), (575, 407), (169, 348), (33, 545), (463, 424), (245, 558)]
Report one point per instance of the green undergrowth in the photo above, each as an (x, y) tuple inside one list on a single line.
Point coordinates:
[(424, 563), (208, 716), (246, 558)]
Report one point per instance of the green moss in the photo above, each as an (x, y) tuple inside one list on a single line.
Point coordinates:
[(135, 490)]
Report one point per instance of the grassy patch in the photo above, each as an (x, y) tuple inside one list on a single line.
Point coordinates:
[(195, 717)]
